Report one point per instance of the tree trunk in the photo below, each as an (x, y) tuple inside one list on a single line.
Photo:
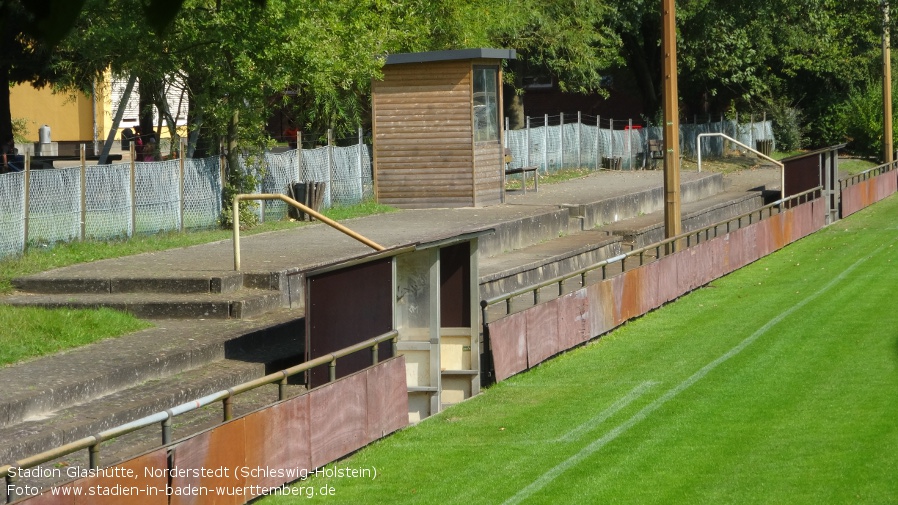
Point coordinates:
[(5, 114)]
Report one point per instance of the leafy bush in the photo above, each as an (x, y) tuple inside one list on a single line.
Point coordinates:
[(860, 118), (786, 121)]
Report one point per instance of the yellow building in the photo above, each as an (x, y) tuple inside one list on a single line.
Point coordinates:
[(84, 117)]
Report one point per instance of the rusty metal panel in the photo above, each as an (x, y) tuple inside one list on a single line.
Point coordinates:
[(736, 250), (601, 307), (508, 343), (774, 232), (819, 214), (617, 298), (574, 325), (668, 288), (765, 243), (278, 438), (215, 450), (136, 488), (804, 221), (47, 498), (788, 223), (750, 244), (542, 332), (687, 270), (649, 294), (345, 307), (631, 298), (387, 398), (716, 259), (338, 418), (851, 201)]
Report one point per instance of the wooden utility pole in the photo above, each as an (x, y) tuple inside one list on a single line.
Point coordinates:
[(672, 225), (886, 86)]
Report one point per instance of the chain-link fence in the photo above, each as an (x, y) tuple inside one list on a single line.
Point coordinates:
[(115, 201), (623, 144)]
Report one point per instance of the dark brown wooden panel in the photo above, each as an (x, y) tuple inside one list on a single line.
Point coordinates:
[(455, 286)]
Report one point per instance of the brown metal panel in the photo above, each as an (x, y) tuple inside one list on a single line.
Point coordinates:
[(338, 418), (508, 343), (764, 237), (736, 250), (345, 307), (687, 266), (716, 259), (631, 298), (47, 498), (387, 398), (850, 200), (668, 288), (278, 438), (869, 192), (574, 321), (455, 286), (801, 174), (649, 295), (136, 488), (801, 221), (819, 214), (601, 307), (774, 232), (788, 221), (750, 243), (219, 450), (617, 298), (542, 332)]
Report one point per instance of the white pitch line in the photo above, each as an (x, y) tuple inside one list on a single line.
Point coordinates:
[(579, 431), (618, 430)]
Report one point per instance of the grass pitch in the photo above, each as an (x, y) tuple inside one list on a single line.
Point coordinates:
[(775, 384)]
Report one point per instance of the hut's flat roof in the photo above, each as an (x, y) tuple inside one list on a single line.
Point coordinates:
[(456, 54)]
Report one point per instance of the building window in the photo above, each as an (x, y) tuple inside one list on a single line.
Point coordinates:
[(486, 104)]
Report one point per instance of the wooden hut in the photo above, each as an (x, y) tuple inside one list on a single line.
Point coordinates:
[(437, 120)]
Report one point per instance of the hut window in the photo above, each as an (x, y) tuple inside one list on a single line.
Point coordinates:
[(486, 104)]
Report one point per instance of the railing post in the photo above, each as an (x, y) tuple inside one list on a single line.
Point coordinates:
[(332, 369), (227, 407), (166, 430), (282, 389), (10, 489), (374, 357), (94, 456)]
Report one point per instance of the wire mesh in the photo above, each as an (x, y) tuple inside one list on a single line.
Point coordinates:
[(157, 196), (577, 144), (54, 210), (202, 193), (107, 200), (12, 213)]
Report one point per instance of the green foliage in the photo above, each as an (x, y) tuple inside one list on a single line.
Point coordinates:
[(20, 130), (859, 119), (786, 120)]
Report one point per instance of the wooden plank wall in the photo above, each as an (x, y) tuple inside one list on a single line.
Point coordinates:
[(423, 139), (488, 173)]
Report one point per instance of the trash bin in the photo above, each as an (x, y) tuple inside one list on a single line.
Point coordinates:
[(308, 193), (765, 147)]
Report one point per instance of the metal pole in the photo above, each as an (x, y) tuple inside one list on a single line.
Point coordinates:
[(546, 143), (886, 86), (527, 151), (611, 144), (83, 156), (27, 196), (361, 165), (181, 150), (561, 140), (133, 191), (579, 139), (630, 144), (672, 224), (598, 143)]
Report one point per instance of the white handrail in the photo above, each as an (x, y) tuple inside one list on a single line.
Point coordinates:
[(698, 145)]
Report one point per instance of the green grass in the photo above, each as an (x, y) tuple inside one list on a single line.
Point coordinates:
[(513, 182), (855, 165), (775, 384), (33, 332)]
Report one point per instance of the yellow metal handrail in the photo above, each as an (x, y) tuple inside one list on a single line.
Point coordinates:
[(289, 201)]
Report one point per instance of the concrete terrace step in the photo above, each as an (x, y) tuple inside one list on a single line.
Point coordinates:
[(530, 265), (51, 429), (649, 228), (240, 304), (48, 384), (59, 281)]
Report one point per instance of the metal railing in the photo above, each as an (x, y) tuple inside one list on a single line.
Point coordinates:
[(698, 142), (92, 443), (289, 201), (867, 174), (662, 248)]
